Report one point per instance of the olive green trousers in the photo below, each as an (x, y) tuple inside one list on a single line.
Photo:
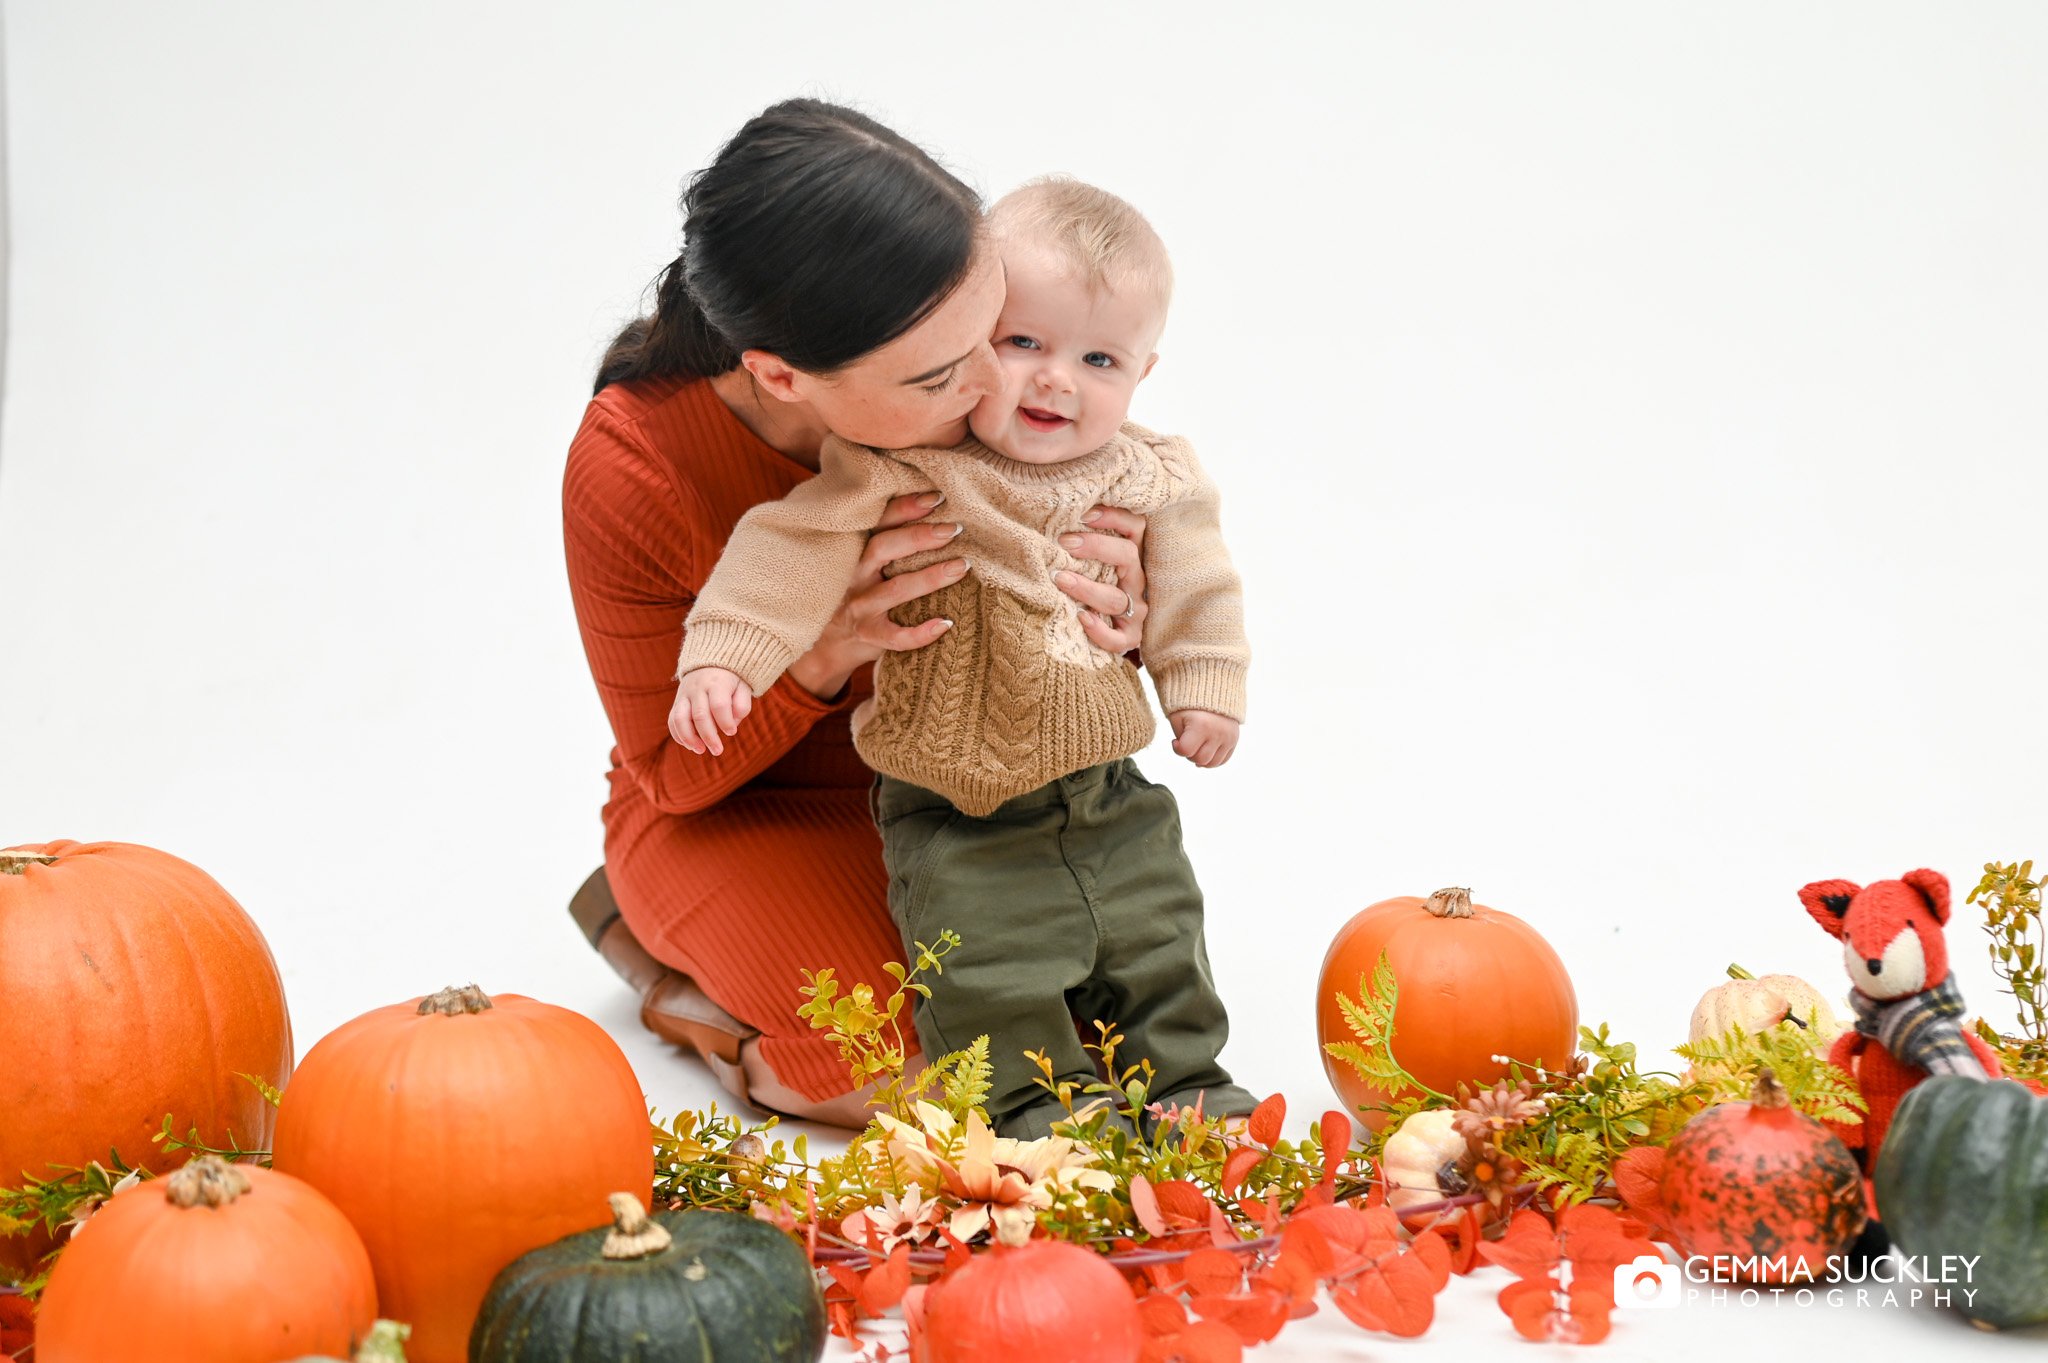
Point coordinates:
[(1074, 901)]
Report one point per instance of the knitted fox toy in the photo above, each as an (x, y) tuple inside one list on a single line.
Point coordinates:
[(1907, 1004)]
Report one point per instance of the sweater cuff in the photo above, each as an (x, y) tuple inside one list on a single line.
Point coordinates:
[(758, 656), (1201, 684)]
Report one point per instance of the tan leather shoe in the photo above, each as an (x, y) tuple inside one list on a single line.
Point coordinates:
[(672, 1006)]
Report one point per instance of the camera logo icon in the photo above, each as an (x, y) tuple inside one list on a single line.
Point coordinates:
[(1646, 1282)]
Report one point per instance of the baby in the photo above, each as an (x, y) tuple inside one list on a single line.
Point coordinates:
[(1009, 808)]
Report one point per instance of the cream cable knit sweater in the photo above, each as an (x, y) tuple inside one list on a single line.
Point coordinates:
[(1014, 695)]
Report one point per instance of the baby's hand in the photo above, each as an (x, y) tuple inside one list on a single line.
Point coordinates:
[(710, 699), (1203, 737)]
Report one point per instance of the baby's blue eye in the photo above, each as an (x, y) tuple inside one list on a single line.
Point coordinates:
[(1098, 359), (1023, 343)]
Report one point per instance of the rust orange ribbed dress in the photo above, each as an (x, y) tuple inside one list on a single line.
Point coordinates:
[(742, 870)]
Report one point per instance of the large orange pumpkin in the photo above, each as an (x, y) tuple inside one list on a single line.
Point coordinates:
[(457, 1132), (134, 987), (1474, 982), (226, 1262)]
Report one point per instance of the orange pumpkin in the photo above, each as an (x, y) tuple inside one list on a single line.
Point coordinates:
[(135, 988), (226, 1262), (458, 1132), (1475, 983)]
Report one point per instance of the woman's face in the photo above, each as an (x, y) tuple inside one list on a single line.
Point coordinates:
[(919, 388)]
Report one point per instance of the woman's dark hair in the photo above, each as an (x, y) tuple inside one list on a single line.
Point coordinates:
[(817, 235)]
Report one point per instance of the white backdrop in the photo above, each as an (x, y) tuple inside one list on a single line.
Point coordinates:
[(1629, 418)]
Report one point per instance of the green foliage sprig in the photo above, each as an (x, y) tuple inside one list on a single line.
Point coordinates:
[(71, 1193), (1601, 1103), (708, 1160), (2011, 900)]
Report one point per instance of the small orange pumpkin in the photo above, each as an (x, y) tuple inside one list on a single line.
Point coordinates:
[(1475, 983), (136, 988), (231, 1263), (457, 1132)]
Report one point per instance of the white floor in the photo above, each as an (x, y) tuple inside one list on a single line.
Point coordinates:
[(1628, 417)]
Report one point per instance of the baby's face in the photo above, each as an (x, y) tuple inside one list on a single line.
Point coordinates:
[(1070, 358)]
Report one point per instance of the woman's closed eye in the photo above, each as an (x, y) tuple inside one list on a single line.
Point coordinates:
[(934, 389)]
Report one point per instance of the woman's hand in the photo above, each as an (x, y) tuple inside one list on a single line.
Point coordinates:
[(861, 631), (1115, 618)]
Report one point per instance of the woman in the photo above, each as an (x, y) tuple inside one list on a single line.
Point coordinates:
[(834, 278)]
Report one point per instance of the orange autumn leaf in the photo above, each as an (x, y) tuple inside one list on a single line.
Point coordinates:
[(1393, 1289), (1381, 1224), (1464, 1233), (1212, 1272), (1338, 1224), (1221, 1233), (1306, 1241), (847, 1279), (1256, 1316), (1291, 1274), (1161, 1314), (1335, 1133), (1145, 1206), (1431, 1251), (1597, 1241), (1238, 1166), (1264, 1127), (1543, 1312), (1528, 1250), (886, 1284), (1182, 1202), (1205, 1341)]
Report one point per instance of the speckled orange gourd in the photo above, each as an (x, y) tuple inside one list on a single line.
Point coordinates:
[(1761, 1180)]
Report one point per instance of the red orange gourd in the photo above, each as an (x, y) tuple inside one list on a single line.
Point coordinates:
[(136, 988), (227, 1262), (1763, 1186), (1044, 1300), (1475, 983), (457, 1132)]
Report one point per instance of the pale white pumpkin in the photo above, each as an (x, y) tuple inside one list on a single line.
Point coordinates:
[(1756, 1004), (1420, 1164)]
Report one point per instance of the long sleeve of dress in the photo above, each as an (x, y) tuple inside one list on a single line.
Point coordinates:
[(785, 569), (628, 536), (1195, 646)]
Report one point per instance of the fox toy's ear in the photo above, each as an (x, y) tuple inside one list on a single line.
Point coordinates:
[(1933, 885), (1828, 902)]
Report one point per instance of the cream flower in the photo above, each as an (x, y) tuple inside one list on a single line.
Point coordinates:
[(998, 1182), (896, 1222)]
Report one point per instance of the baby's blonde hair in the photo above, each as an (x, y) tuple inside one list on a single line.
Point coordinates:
[(1103, 239)]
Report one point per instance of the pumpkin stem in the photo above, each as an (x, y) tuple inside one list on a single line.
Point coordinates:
[(1768, 1093), (17, 863), (385, 1343), (635, 1234), (451, 1001), (209, 1180), (1452, 903), (1736, 972)]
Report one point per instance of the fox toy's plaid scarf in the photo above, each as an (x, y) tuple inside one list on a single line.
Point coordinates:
[(1921, 1029)]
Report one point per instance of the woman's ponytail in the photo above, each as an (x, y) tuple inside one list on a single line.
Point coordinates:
[(816, 234), (675, 340)]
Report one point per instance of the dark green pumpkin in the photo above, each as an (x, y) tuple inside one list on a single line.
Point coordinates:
[(727, 1288), (1964, 1170)]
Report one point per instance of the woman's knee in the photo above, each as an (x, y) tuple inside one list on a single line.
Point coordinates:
[(755, 1081)]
